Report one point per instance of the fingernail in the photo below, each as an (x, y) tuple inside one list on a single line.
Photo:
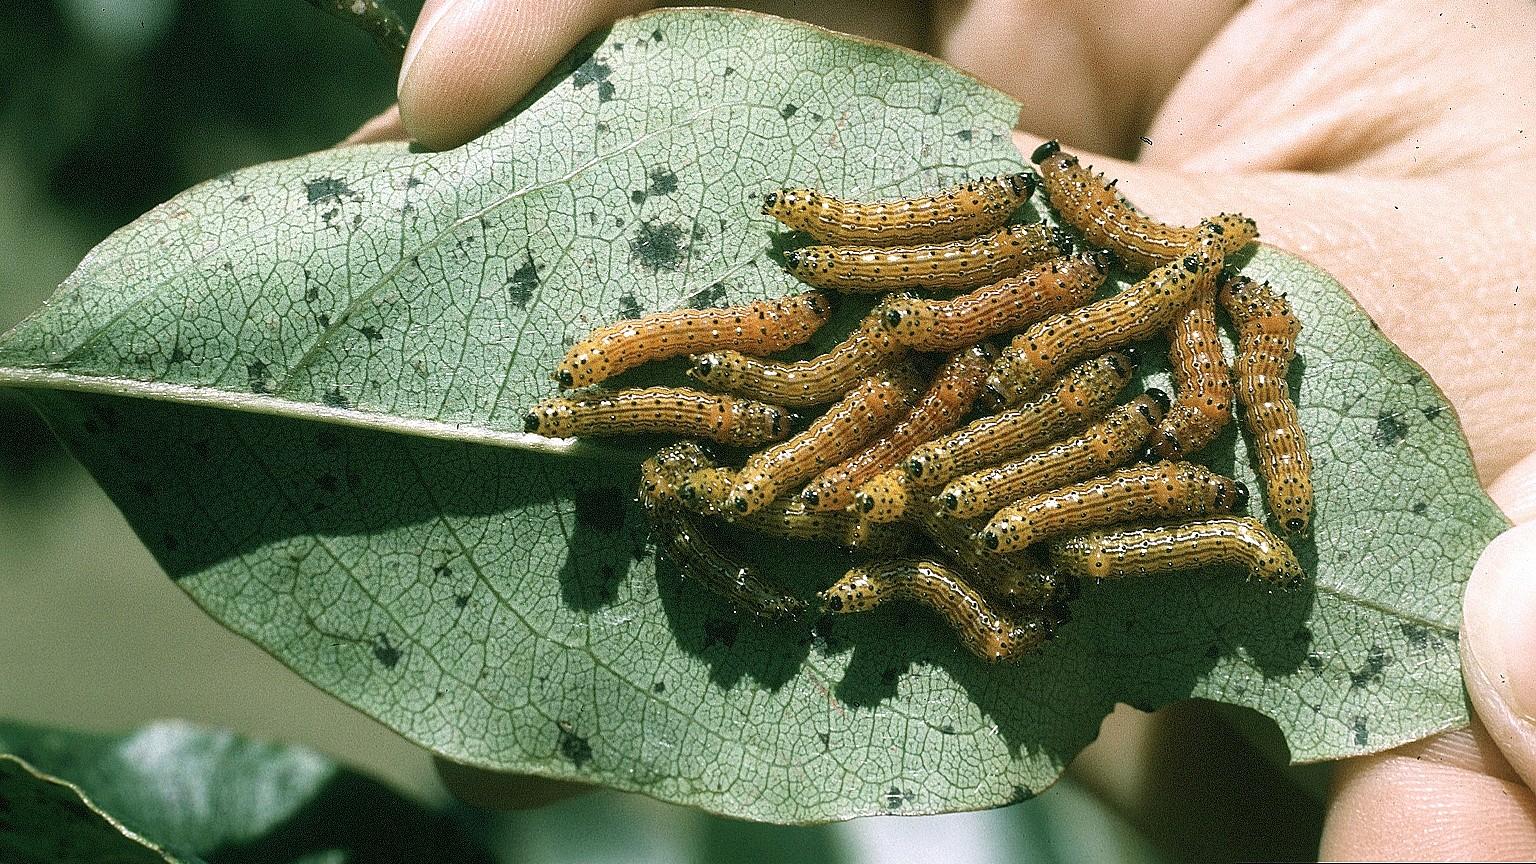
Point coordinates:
[(421, 34), (1499, 620)]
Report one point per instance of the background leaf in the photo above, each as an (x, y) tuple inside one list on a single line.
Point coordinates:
[(176, 792), (286, 378)]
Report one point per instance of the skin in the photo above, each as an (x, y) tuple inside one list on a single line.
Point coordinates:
[(1389, 142)]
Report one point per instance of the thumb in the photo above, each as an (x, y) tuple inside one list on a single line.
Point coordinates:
[(469, 61), (1498, 629)]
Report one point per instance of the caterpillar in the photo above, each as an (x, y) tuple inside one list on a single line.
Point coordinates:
[(1266, 344), (1048, 346), (885, 497), (708, 491), (1045, 289), (834, 436), (761, 327), (1230, 541), (1078, 398), (984, 631), (802, 383), (1167, 490), (947, 399), (956, 265), (681, 540), (671, 410), (972, 208), (1102, 447), (1202, 383), (1088, 203), (1019, 580)]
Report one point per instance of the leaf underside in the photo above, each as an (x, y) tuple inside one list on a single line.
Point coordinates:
[(303, 384)]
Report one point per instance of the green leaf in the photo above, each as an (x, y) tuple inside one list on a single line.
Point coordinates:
[(303, 382), (179, 793)]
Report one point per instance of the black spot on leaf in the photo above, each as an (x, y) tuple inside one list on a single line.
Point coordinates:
[(600, 509), (370, 332), (1389, 430), (461, 600), (1314, 660), (525, 279), (656, 35), (711, 296), (594, 71), (964, 135), (1432, 411), (1370, 672), (788, 111), (894, 798), (662, 181), (728, 72), (659, 687), (336, 399), (385, 652), (629, 307), (1022, 793), (1417, 636), (572, 746), (1362, 732), (1420, 508), (657, 247), (947, 729), (442, 571), (257, 377), (637, 197), (329, 190)]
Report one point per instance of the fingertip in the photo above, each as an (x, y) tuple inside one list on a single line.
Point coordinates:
[(1498, 645), (469, 61)]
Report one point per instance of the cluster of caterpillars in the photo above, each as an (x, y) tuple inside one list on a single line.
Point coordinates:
[(981, 482)]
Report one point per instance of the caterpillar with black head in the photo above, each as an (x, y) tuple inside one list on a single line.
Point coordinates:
[(1238, 541), (1018, 581), (1078, 398), (801, 383), (681, 539), (1167, 490), (759, 327), (1045, 289), (708, 491), (986, 632), (667, 410), (958, 265), (971, 208), (1266, 344), (1089, 203), (1104, 446), (950, 395), (1050, 345), (834, 436)]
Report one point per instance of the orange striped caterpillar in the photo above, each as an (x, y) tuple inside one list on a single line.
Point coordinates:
[(1048, 346), (885, 497), (802, 383), (762, 327), (680, 539), (708, 490), (1046, 289), (1086, 202), (938, 410), (957, 265), (1202, 381), (985, 632), (972, 208), (834, 436), (1167, 490), (1081, 396), (1102, 447), (1019, 581), (1266, 344), (1232, 541), (671, 410)]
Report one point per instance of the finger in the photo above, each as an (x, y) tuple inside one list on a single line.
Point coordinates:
[(1463, 794), (471, 60), (385, 126), (499, 790), (1400, 247), (1452, 797)]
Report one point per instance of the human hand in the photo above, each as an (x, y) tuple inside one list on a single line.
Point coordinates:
[(1366, 137)]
